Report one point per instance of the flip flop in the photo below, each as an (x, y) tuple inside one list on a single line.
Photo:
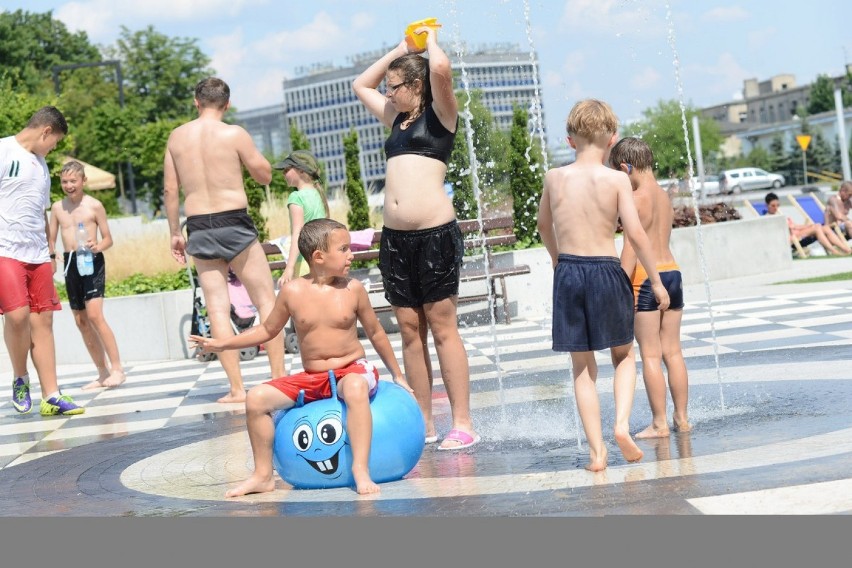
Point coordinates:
[(431, 439), (465, 439)]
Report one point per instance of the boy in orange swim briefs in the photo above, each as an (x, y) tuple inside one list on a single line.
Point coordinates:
[(657, 332)]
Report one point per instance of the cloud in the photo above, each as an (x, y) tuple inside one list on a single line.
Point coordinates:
[(320, 34), (255, 69), (229, 54), (363, 21), (721, 78), (100, 19), (645, 79), (726, 14), (573, 62), (608, 17), (760, 39)]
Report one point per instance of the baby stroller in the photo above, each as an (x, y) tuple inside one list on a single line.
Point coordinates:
[(243, 315)]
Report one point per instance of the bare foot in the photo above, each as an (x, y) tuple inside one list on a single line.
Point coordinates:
[(98, 383), (652, 432), (363, 484), (251, 485), (628, 447), (682, 425), (596, 462), (116, 378), (233, 397)]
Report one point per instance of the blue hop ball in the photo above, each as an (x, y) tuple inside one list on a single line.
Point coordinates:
[(311, 448)]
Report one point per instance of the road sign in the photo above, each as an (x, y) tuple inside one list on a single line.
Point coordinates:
[(803, 140)]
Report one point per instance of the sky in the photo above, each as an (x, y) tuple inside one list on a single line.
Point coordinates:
[(629, 53)]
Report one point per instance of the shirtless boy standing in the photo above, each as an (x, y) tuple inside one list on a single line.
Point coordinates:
[(592, 297), (86, 293), (658, 333), (205, 157)]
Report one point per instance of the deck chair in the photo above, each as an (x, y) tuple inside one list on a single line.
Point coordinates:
[(813, 210), (798, 247)]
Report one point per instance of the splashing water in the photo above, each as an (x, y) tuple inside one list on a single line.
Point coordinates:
[(538, 130), (695, 205), (467, 115), (535, 103)]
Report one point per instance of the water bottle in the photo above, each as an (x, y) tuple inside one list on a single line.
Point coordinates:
[(85, 259)]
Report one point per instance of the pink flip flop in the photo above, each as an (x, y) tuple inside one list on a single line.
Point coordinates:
[(465, 439)]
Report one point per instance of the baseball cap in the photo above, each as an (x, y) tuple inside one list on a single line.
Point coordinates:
[(301, 160)]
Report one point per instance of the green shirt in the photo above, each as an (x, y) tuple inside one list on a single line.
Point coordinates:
[(310, 200)]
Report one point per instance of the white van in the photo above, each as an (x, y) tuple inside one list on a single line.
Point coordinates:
[(744, 179)]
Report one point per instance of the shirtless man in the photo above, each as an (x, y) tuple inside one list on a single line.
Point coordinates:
[(837, 209), (657, 332), (204, 157)]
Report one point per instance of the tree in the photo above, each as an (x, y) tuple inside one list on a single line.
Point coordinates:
[(525, 181), (821, 155), (489, 148), (31, 44), (358, 216), (821, 95), (16, 110), (298, 139), (160, 72), (759, 157), (780, 159), (662, 129)]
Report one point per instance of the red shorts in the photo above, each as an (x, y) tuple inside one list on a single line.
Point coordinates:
[(316, 384), (23, 284)]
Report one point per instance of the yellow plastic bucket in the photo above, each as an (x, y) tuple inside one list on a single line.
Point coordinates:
[(419, 40)]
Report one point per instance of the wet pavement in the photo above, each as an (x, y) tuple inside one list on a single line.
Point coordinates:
[(773, 432)]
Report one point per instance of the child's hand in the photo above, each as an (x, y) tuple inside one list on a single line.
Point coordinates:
[(206, 344), (662, 296), (400, 380)]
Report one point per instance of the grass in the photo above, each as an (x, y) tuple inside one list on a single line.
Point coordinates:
[(840, 276)]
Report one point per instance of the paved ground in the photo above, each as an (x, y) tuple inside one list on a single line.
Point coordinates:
[(773, 429)]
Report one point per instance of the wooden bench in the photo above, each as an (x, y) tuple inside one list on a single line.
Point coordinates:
[(480, 238)]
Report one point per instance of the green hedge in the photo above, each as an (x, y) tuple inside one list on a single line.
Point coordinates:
[(140, 284)]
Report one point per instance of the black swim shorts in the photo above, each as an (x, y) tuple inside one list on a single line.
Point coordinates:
[(84, 288), (221, 235), (421, 267), (592, 304)]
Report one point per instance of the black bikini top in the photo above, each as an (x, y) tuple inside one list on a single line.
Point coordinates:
[(426, 136)]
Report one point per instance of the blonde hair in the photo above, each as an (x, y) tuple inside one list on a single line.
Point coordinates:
[(591, 119), (73, 167)]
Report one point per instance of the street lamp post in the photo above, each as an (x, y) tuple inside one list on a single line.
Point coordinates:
[(131, 184)]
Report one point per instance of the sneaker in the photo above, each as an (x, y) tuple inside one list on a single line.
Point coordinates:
[(21, 395), (61, 404)]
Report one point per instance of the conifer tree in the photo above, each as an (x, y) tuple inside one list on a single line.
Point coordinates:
[(525, 178), (358, 217)]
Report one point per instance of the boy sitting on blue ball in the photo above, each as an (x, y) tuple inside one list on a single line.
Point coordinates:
[(325, 305)]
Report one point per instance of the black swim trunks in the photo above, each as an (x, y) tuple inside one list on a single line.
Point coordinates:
[(421, 267), (221, 235), (84, 288), (592, 304)]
